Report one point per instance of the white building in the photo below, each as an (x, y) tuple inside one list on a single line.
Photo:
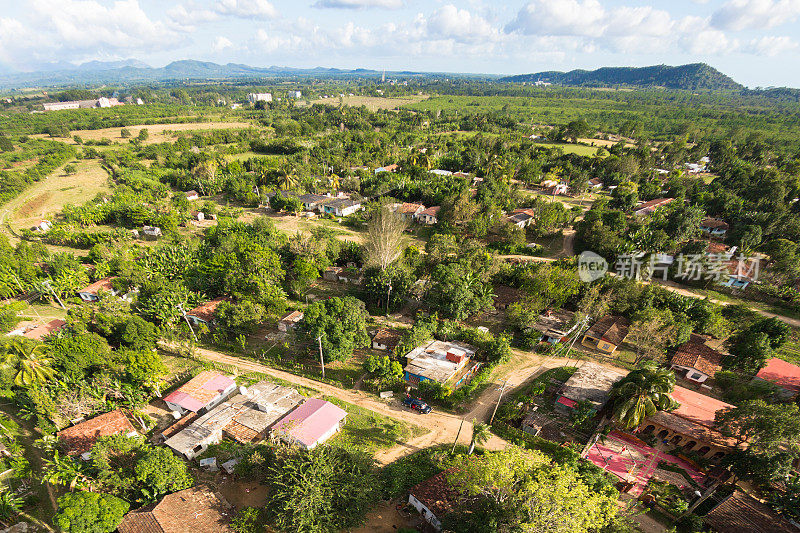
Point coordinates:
[(259, 97)]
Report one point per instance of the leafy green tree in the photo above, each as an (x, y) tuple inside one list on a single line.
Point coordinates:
[(749, 351), (80, 354), (326, 489), (340, 323), (241, 318), (766, 427), (143, 367), (89, 512), (787, 501), (457, 291), (642, 393), (160, 472), (125, 133), (65, 471), (143, 134), (70, 169)]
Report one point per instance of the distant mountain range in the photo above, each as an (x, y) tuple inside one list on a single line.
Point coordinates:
[(131, 70), (696, 76)]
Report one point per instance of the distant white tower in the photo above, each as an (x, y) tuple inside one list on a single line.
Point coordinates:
[(383, 78)]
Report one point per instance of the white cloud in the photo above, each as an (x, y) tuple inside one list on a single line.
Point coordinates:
[(755, 14), (771, 46), (220, 44), (449, 22), (565, 17), (359, 4), (245, 8)]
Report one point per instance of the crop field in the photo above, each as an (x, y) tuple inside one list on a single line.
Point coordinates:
[(373, 103), (50, 195)]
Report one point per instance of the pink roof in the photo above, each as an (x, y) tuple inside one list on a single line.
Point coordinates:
[(199, 391), (311, 420), (781, 373), (566, 401), (697, 407)]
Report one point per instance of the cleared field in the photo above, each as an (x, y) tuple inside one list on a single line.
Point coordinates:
[(578, 149), (604, 142), (158, 132), (373, 103), (53, 193)]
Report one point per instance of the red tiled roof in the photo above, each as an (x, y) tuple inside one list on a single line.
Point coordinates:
[(195, 510), (43, 330), (410, 208), (714, 223), (436, 494), (652, 204), (293, 317), (206, 311), (81, 437), (741, 513), (102, 284), (200, 390), (431, 211), (697, 407), (612, 329), (783, 374), (698, 355), (310, 421), (387, 337)]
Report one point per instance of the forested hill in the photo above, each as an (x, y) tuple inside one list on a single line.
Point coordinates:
[(690, 77)]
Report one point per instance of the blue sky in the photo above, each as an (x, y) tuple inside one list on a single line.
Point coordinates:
[(754, 41)]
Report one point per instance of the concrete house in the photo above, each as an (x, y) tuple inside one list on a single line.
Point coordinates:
[(200, 393), (290, 321), (714, 227), (386, 339), (259, 97), (311, 424), (607, 333), (695, 360), (595, 184), (195, 510), (555, 325), (785, 376), (342, 207), (43, 226), (80, 438), (590, 383), (409, 211), (429, 216), (522, 218), (204, 314), (152, 232), (450, 363), (192, 195), (245, 418), (91, 293), (648, 208), (433, 499)]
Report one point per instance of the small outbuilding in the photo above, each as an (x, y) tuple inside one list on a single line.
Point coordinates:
[(80, 438), (607, 333), (590, 383), (91, 293), (200, 393), (311, 424), (386, 339), (290, 321), (433, 499), (695, 360)]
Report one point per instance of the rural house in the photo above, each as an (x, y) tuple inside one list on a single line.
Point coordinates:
[(648, 208), (342, 207), (691, 426), (590, 383), (91, 293), (714, 227), (522, 218), (607, 333), (80, 438), (448, 363), (311, 424), (433, 499), (785, 376), (246, 418), (39, 331), (204, 314), (386, 339), (410, 211), (741, 513), (202, 392), (192, 195), (152, 232), (555, 325), (505, 296), (429, 216), (695, 360), (290, 321), (195, 510)]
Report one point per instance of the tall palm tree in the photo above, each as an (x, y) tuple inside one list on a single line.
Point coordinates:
[(642, 393), (32, 361), (480, 434)]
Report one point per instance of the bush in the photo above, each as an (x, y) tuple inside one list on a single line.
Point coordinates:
[(89, 512)]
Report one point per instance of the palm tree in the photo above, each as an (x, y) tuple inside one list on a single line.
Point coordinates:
[(642, 393), (33, 364), (480, 434), (65, 471)]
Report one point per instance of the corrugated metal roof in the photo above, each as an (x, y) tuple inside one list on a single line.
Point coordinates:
[(310, 421)]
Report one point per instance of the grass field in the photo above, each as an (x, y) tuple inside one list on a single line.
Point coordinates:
[(578, 149), (373, 103), (158, 132), (50, 195)]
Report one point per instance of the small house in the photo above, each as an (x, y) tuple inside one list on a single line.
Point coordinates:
[(785, 376), (522, 218), (192, 195), (198, 216), (409, 211), (387, 168), (204, 315), (555, 325), (440, 172), (595, 184), (332, 273), (590, 383), (449, 363), (152, 232), (200, 393), (505, 296), (607, 333), (91, 293), (80, 438), (290, 321), (695, 360), (311, 424), (648, 208), (429, 216), (195, 510), (714, 227), (342, 207), (741, 513), (42, 225), (312, 202), (433, 499), (386, 339)]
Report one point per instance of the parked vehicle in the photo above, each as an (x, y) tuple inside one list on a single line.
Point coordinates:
[(417, 405)]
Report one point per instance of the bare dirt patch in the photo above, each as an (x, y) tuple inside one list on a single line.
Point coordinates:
[(158, 132), (373, 103), (34, 205)]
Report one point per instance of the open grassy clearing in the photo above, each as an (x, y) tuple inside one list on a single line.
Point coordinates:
[(50, 195), (158, 132), (577, 149), (373, 103)]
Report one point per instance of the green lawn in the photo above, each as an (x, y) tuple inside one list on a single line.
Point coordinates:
[(370, 432)]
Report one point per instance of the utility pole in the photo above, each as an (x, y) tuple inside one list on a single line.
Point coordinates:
[(498, 401), (457, 435), (46, 283), (180, 307), (321, 359)]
